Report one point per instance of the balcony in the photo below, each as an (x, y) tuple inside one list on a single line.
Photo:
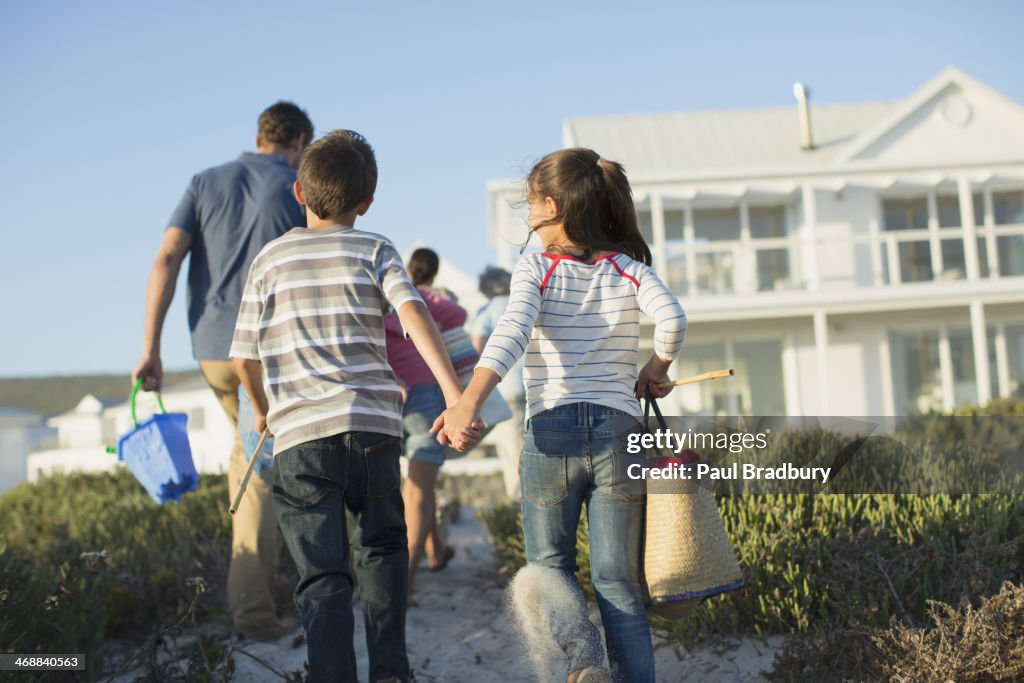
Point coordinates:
[(749, 249)]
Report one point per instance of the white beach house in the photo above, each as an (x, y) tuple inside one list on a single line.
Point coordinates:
[(852, 259), (21, 432)]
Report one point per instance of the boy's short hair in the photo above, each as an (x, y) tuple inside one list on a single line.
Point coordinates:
[(281, 123), (338, 172)]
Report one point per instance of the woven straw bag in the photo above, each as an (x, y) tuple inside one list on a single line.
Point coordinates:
[(687, 554)]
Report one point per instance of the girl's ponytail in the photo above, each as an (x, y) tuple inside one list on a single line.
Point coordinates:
[(596, 203), (622, 227)]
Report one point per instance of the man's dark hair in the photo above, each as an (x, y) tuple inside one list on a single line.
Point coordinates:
[(338, 172), (495, 281), (281, 123)]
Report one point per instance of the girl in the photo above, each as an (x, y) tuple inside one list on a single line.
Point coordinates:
[(574, 310)]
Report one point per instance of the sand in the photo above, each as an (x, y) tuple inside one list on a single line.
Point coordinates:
[(460, 632)]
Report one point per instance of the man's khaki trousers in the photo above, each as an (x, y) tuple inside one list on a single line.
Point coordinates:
[(255, 537)]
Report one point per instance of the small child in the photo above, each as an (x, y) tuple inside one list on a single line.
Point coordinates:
[(309, 347), (574, 312)]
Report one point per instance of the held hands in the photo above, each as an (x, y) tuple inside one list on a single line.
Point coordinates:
[(458, 427), (652, 375)]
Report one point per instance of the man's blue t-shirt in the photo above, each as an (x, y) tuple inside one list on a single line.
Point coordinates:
[(231, 211)]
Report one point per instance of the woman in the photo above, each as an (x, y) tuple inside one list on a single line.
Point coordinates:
[(423, 403)]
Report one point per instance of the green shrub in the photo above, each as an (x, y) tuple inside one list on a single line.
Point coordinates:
[(88, 557), (811, 561)]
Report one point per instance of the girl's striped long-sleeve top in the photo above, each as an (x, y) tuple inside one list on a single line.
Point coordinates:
[(579, 325)]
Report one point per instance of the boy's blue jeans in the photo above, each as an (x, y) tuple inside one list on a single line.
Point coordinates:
[(316, 483), (576, 454)]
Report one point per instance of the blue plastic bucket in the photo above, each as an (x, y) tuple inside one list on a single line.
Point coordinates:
[(157, 452)]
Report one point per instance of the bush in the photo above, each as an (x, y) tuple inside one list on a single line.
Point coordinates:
[(812, 562), (88, 557), (965, 644), (810, 559)]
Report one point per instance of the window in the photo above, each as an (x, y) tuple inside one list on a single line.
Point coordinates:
[(757, 388), (915, 261), (1008, 208), (979, 209), (917, 377), (954, 264), (675, 221), (948, 207), (768, 221), (1010, 250), (643, 219), (676, 280), (772, 269), (965, 381), (905, 214), (1015, 359), (716, 225)]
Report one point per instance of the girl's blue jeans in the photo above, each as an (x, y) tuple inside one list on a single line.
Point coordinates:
[(574, 455)]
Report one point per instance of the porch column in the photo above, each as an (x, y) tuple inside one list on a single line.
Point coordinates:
[(658, 228), (963, 184), (821, 351), (979, 335), (810, 239)]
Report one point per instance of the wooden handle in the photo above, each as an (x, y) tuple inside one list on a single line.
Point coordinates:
[(248, 472), (714, 374)]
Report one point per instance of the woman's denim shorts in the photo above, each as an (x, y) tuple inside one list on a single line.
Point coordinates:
[(423, 404)]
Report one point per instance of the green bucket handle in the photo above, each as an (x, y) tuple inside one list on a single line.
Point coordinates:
[(131, 402), (134, 390)]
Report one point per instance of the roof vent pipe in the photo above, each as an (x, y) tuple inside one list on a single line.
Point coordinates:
[(801, 94)]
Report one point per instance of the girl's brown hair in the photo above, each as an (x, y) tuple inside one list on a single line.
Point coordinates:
[(595, 202)]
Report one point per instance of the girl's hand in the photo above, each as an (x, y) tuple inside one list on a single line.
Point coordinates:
[(652, 376), (458, 427)]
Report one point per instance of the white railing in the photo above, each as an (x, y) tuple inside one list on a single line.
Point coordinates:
[(894, 258)]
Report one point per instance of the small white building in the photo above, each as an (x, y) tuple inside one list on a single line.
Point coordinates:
[(878, 272), (21, 432)]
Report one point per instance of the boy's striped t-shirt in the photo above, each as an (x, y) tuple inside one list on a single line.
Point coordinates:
[(312, 313), (579, 326)]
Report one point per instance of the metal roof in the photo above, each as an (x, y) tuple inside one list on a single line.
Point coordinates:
[(723, 140)]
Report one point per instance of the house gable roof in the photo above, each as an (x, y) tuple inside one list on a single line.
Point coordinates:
[(951, 119), (722, 140), (953, 108)]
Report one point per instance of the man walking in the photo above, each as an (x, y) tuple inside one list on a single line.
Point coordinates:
[(226, 216)]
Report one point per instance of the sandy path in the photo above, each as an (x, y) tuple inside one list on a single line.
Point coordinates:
[(460, 633)]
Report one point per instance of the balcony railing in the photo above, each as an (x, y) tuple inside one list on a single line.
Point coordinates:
[(874, 259)]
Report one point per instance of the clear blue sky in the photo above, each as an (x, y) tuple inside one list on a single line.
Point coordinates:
[(107, 109)]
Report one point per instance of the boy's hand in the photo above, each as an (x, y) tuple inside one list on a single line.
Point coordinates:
[(458, 427), (651, 376), (150, 368), (259, 423)]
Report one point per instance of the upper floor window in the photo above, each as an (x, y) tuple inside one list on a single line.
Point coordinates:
[(716, 225), (768, 221), (948, 207), (905, 214), (1008, 208)]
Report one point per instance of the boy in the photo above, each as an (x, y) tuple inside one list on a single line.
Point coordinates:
[(310, 334)]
